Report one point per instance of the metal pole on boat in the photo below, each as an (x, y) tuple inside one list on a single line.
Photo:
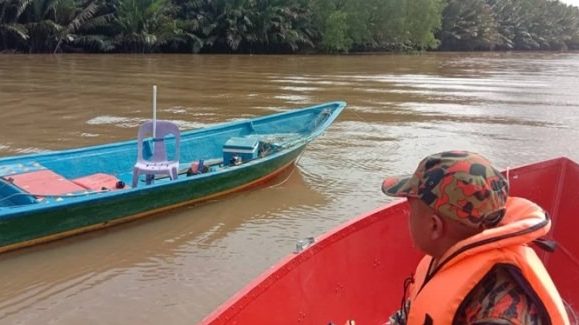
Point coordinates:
[(154, 112)]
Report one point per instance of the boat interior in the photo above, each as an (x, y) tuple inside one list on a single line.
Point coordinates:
[(156, 157)]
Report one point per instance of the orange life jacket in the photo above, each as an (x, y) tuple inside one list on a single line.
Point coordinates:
[(436, 296)]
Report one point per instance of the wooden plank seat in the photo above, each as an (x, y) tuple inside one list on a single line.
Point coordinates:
[(45, 182), (99, 182)]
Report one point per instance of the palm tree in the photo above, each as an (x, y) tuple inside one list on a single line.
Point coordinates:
[(468, 25), (222, 25), (14, 34), (141, 23), (40, 18), (279, 25), (42, 25), (73, 18)]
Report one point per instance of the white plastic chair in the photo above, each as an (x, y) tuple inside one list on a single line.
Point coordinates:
[(158, 163)]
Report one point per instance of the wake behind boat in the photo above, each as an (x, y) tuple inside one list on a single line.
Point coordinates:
[(52, 195), (356, 272)]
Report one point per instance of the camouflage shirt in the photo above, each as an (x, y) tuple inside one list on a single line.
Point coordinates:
[(497, 299)]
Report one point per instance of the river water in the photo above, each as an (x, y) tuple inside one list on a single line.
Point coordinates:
[(514, 108)]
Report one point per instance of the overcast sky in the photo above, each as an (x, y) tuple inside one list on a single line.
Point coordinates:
[(571, 2)]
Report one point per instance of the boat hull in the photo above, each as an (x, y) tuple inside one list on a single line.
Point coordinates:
[(33, 227), (356, 272)]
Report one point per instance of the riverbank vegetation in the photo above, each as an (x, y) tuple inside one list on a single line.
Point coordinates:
[(285, 26)]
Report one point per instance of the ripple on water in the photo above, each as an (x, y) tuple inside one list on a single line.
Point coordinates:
[(299, 89), (28, 150), (124, 122), (294, 98), (89, 135), (56, 295)]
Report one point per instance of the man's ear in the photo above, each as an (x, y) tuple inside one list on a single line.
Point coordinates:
[(436, 227)]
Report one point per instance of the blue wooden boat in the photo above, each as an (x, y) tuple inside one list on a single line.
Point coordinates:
[(52, 195)]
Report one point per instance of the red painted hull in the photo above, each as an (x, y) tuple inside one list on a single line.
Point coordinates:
[(356, 271)]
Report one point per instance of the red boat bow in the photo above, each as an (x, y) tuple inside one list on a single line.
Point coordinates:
[(357, 271)]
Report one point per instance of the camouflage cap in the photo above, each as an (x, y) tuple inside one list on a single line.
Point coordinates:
[(460, 185)]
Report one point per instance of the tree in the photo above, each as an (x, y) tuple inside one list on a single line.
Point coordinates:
[(74, 18), (468, 25), (509, 25), (280, 25), (422, 21), (14, 34), (42, 25), (142, 24)]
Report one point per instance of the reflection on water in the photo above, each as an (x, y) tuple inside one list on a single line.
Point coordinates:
[(515, 108)]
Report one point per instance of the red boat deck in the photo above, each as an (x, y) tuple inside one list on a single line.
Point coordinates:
[(357, 271)]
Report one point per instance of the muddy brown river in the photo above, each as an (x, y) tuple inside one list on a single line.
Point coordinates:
[(175, 268)]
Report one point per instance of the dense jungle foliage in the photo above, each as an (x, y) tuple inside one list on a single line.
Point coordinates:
[(285, 26)]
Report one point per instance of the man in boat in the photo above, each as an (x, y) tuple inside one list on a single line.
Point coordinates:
[(478, 268)]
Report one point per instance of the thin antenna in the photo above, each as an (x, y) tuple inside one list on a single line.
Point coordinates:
[(154, 111)]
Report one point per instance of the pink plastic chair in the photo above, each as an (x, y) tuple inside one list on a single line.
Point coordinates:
[(158, 163)]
